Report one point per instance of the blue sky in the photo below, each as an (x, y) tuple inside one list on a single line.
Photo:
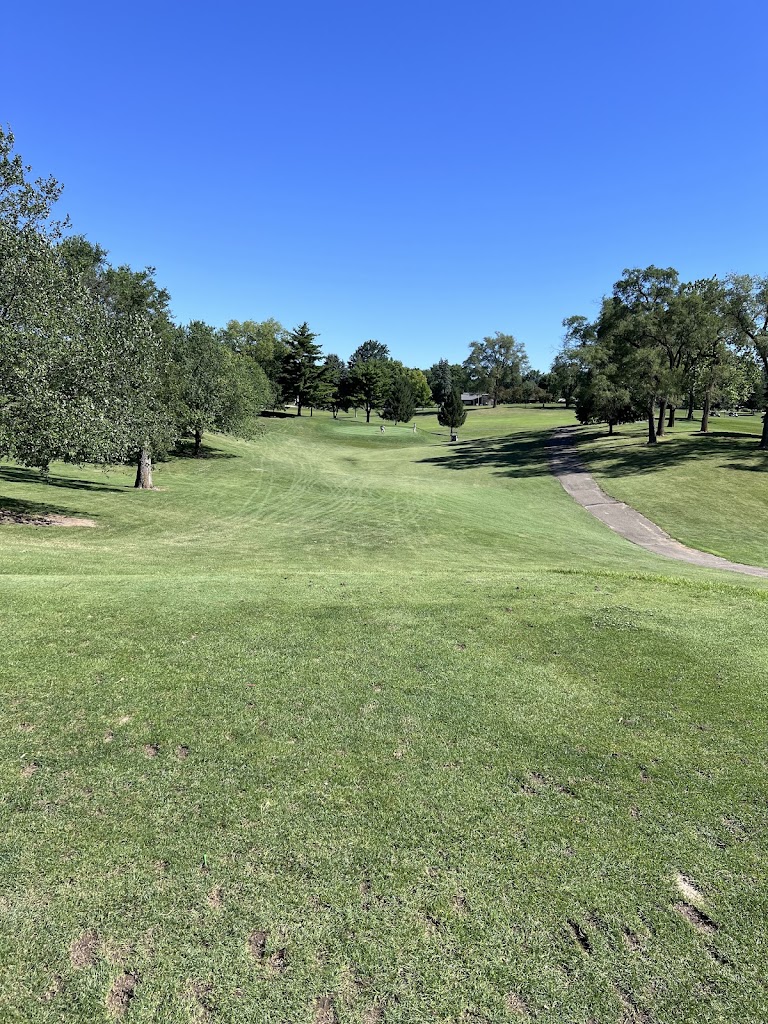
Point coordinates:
[(420, 173)]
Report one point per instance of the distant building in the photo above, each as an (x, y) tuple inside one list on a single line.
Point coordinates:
[(471, 398)]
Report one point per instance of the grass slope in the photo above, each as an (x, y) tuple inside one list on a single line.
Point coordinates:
[(710, 492), (342, 726)]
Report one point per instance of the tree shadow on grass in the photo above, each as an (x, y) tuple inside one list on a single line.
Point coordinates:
[(517, 455), (18, 507), (724, 450), (527, 454), (186, 450), (21, 475)]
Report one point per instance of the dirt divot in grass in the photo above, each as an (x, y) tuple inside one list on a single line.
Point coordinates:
[(199, 995), (516, 1005), (29, 770), (688, 889), (278, 962), (257, 944), (696, 918), (108, 736), (373, 1015), (324, 1012), (216, 897), (538, 785), (121, 993), (55, 988), (151, 750), (52, 519), (580, 936), (631, 940), (632, 1013), (83, 951), (182, 753)]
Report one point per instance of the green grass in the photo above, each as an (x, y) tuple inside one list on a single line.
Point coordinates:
[(708, 491), (433, 712)]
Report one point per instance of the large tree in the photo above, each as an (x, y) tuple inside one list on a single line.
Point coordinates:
[(400, 404), (369, 351), (440, 380), (452, 413), (368, 383), (303, 376), (748, 310), (496, 364)]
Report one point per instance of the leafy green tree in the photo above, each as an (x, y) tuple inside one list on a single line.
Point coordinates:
[(337, 396), (264, 342), (440, 380), (496, 364), (368, 383), (400, 404), (303, 377), (748, 311), (369, 351), (422, 393), (452, 413)]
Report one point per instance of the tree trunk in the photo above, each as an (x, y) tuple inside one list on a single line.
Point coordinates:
[(651, 425), (705, 414), (610, 428), (764, 439), (671, 417), (298, 408), (311, 411), (690, 405), (367, 414), (662, 414), (144, 471), (198, 441)]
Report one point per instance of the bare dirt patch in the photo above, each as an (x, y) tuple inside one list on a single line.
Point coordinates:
[(580, 935), (632, 1014), (631, 939), (52, 519), (199, 994), (29, 770), (122, 992), (324, 1012), (182, 753), (516, 1005), (216, 897), (257, 944), (151, 750), (696, 918), (688, 889), (83, 951), (373, 1015)]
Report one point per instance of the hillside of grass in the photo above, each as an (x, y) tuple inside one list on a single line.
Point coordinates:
[(338, 726), (708, 491)]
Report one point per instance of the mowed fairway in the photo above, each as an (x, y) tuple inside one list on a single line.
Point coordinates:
[(347, 727)]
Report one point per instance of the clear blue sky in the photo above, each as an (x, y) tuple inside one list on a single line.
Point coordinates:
[(420, 173)]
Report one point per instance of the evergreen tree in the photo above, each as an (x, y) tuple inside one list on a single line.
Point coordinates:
[(302, 378), (400, 404), (452, 413), (440, 381), (368, 385)]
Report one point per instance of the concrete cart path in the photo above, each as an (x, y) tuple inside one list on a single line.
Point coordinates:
[(621, 518)]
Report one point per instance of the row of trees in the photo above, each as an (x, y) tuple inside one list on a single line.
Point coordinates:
[(92, 367), (660, 344)]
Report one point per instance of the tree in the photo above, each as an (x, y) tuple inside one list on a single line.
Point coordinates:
[(452, 413), (748, 311), (496, 364), (264, 342), (302, 378), (440, 380), (400, 403), (369, 351), (337, 377), (368, 385), (422, 393)]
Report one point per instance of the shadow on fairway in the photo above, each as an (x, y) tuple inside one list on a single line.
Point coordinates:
[(517, 455), (186, 450), (22, 509), (17, 475), (525, 454)]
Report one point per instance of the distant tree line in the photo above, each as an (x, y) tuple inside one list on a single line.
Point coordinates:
[(660, 345)]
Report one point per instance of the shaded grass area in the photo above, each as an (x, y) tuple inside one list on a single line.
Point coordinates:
[(708, 491), (415, 743)]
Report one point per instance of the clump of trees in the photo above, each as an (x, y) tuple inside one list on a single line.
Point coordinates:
[(660, 344)]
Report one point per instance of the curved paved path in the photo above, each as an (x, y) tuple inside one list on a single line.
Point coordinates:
[(621, 518)]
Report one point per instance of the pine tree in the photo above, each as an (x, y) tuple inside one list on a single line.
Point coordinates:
[(452, 413), (400, 404), (302, 378)]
